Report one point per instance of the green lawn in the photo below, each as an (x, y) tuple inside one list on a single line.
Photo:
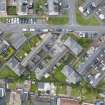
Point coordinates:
[(34, 88), (6, 72), (60, 89), (84, 21), (58, 74), (39, 5), (58, 20), (11, 10), (27, 34), (27, 47), (85, 92)]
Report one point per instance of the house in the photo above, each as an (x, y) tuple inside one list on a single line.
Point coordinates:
[(94, 67), (4, 45), (24, 97), (2, 96), (73, 46), (89, 6), (2, 92), (17, 43), (101, 12), (51, 8), (15, 98), (3, 11), (69, 73), (99, 103), (70, 101), (14, 64), (22, 7), (40, 100), (46, 88)]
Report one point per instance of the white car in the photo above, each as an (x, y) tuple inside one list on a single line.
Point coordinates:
[(45, 30), (24, 29), (32, 29)]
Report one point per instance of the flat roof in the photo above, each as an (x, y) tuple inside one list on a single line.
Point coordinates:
[(73, 46), (67, 101), (2, 5)]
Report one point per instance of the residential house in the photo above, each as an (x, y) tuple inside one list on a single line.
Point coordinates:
[(3, 10), (73, 46)]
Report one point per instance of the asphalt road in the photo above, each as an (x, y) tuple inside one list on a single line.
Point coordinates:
[(19, 27)]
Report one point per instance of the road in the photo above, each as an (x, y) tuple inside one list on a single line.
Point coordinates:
[(18, 27), (71, 12)]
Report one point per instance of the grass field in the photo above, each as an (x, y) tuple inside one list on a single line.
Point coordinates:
[(58, 20), (6, 72), (84, 21), (11, 10)]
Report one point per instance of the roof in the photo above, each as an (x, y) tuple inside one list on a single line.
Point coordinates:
[(2, 92), (73, 46), (15, 66), (2, 5), (69, 73), (2, 101), (40, 100), (51, 8), (97, 2), (17, 40), (67, 101)]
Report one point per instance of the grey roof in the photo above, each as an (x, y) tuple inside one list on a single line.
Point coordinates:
[(15, 66), (40, 100), (73, 46), (2, 5), (91, 62), (67, 70), (17, 40), (2, 101), (97, 2), (69, 73), (2, 92), (84, 67), (41, 85)]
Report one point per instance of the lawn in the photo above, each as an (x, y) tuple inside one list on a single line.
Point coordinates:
[(39, 6), (85, 92), (58, 20), (6, 72), (27, 34), (84, 21), (34, 88), (27, 47), (58, 75), (11, 10), (60, 89)]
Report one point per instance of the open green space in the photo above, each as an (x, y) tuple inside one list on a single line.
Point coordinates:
[(39, 6), (80, 2), (86, 21), (6, 72), (86, 92), (11, 10), (27, 34), (34, 88), (58, 20), (60, 89), (27, 47), (58, 75)]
